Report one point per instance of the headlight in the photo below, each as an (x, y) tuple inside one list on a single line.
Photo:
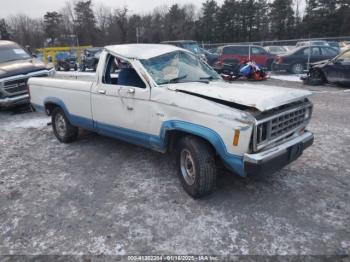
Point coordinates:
[(52, 72), (307, 113)]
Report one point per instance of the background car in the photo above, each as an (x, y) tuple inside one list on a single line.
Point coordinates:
[(297, 60), (210, 57), (189, 45), (231, 57), (289, 47), (90, 58), (16, 66), (66, 61), (336, 71), (312, 43), (276, 50)]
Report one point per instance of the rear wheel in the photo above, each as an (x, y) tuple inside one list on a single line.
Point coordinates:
[(297, 68), (196, 166), (64, 131)]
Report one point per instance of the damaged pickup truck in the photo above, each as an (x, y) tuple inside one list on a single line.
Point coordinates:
[(164, 98)]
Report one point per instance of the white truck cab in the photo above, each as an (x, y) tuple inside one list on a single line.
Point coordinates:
[(164, 98)]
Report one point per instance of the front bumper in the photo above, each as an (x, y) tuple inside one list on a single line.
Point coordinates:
[(274, 159), (14, 101)]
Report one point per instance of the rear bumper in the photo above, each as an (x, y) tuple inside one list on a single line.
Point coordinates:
[(14, 101), (276, 158)]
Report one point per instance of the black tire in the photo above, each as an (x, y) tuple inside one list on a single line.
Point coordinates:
[(297, 68), (316, 78), (196, 155), (64, 131)]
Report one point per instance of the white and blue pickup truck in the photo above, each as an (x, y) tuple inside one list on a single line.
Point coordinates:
[(164, 98)]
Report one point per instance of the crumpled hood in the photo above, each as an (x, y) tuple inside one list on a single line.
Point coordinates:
[(261, 97), (320, 63), (21, 67)]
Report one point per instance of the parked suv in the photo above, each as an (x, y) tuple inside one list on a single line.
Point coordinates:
[(90, 59), (189, 45), (232, 56), (16, 66)]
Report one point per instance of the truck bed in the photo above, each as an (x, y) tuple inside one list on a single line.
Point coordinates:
[(75, 92)]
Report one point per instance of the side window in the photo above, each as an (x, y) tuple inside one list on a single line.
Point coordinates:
[(257, 51), (315, 51), (111, 71), (329, 51), (235, 50), (243, 50), (120, 72)]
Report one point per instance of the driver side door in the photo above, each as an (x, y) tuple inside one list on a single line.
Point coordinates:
[(119, 108)]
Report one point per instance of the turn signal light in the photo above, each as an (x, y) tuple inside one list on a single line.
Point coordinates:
[(236, 138)]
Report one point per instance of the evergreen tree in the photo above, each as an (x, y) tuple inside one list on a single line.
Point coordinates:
[(52, 24), (208, 26), (85, 23), (282, 19)]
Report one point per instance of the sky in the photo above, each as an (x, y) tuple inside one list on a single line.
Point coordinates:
[(37, 8)]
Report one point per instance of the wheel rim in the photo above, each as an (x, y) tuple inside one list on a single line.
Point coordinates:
[(316, 75), (60, 124), (298, 68), (188, 169)]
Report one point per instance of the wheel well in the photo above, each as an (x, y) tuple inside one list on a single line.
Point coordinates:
[(49, 107), (321, 72), (173, 136)]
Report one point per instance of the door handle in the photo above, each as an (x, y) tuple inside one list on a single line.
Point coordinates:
[(103, 92), (131, 91)]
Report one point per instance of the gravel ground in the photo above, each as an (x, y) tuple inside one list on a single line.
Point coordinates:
[(103, 196)]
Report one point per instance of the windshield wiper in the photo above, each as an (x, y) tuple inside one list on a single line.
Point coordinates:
[(176, 79)]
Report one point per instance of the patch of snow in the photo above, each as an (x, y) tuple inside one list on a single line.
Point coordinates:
[(26, 123), (291, 78)]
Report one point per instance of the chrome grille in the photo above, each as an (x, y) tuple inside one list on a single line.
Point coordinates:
[(281, 125), (15, 86)]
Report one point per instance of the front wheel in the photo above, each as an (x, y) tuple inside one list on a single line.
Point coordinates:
[(196, 166), (62, 128), (297, 68), (316, 77)]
